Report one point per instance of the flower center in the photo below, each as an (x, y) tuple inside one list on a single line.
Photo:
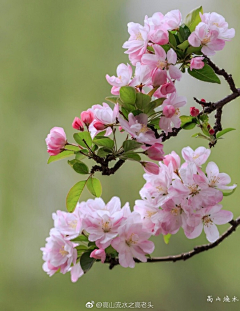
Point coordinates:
[(143, 129), (62, 251), (106, 226), (161, 64), (193, 189), (133, 239), (207, 220), (139, 36), (206, 40), (213, 181), (149, 214), (73, 224)]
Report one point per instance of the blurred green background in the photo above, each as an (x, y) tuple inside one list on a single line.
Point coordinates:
[(53, 59)]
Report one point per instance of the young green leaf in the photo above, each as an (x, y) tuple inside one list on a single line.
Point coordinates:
[(206, 74), (193, 18), (154, 104), (189, 126), (131, 145), (81, 137), (74, 194), (60, 156), (172, 39), (86, 261), (80, 168), (112, 99), (227, 193), (80, 238), (130, 156), (128, 95), (166, 238), (183, 46), (94, 186), (221, 133), (199, 135), (185, 120), (104, 142), (142, 101), (184, 33)]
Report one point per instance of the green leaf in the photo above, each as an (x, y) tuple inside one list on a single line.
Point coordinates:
[(194, 50), (166, 47), (79, 137), (60, 156), (189, 126), (155, 123), (72, 147), (227, 193), (183, 46), (150, 48), (204, 118), (142, 101), (193, 18), (80, 168), (131, 145), (86, 261), (167, 238), (184, 33), (185, 120), (154, 104), (127, 107), (128, 95), (104, 142), (130, 156), (199, 135), (204, 129), (112, 99), (94, 186), (74, 194), (80, 238), (221, 133), (206, 74), (80, 156), (172, 39), (102, 152)]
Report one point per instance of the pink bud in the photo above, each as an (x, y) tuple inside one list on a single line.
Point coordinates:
[(211, 132), (169, 111), (194, 111), (155, 152), (172, 159), (159, 77), (77, 124), (98, 254), (120, 129), (87, 117), (203, 100), (99, 126), (167, 88), (56, 140), (150, 167), (196, 63)]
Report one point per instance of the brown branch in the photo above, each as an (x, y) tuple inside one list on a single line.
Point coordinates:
[(184, 256), (105, 169)]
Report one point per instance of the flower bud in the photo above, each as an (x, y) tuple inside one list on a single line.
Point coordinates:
[(211, 132), (77, 124), (150, 167), (99, 126), (56, 140), (167, 88), (169, 111), (203, 100), (196, 63), (159, 77), (98, 254), (155, 152), (172, 159), (87, 117), (194, 111)]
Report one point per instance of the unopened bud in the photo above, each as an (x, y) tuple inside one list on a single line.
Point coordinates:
[(194, 111), (99, 126), (211, 132), (77, 124)]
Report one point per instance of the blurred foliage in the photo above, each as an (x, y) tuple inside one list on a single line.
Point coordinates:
[(53, 59)]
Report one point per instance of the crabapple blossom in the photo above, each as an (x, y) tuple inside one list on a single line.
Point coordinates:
[(132, 241), (199, 156), (196, 63), (124, 76), (77, 124), (173, 19), (150, 167), (87, 116), (155, 152), (56, 140), (142, 76), (194, 112), (98, 254)]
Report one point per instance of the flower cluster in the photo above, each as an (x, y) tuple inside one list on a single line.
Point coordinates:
[(179, 196), (186, 196)]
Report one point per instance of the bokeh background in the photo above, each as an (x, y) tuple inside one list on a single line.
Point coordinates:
[(54, 55)]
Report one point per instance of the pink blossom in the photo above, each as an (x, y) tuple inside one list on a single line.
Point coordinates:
[(99, 254), (150, 167), (56, 140), (68, 224), (159, 77), (194, 112), (77, 124), (172, 159), (199, 156), (162, 60), (142, 76), (132, 241), (137, 128), (217, 21), (207, 218), (87, 116), (207, 38), (124, 76), (158, 32), (173, 19), (137, 43), (196, 63), (76, 272), (167, 88), (172, 104), (155, 152), (58, 253), (216, 179), (99, 126)]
